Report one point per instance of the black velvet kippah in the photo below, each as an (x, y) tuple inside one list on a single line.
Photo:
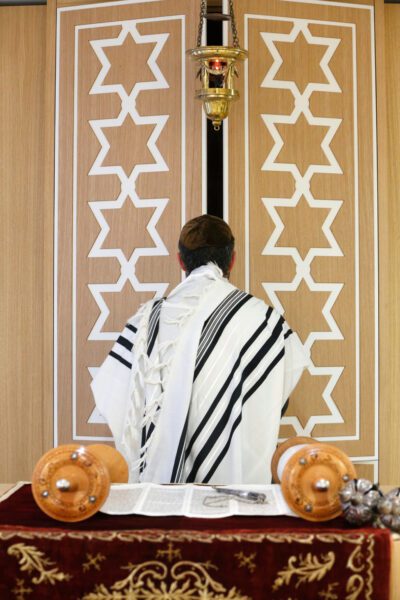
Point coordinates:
[(206, 231)]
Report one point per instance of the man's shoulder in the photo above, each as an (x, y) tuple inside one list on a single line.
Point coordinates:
[(254, 303), (256, 310)]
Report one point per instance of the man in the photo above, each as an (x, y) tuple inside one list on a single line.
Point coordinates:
[(194, 387)]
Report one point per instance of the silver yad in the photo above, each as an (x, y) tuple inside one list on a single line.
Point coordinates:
[(247, 496)]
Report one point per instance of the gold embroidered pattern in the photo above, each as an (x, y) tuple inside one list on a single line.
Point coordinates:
[(350, 538), (159, 536), (355, 561), (329, 593), (370, 569), (93, 561), (354, 587), (20, 590), (170, 553), (175, 584), (246, 561), (307, 570), (190, 581), (31, 559)]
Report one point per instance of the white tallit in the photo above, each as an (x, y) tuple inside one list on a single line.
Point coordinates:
[(194, 386)]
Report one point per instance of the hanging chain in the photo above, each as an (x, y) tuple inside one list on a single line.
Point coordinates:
[(233, 25), (203, 15)]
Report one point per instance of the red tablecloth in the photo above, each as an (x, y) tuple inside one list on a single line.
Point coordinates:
[(176, 558)]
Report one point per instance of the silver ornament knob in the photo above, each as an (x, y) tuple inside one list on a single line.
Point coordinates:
[(63, 485), (364, 486), (357, 499), (372, 498), (396, 506), (385, 506), (322, 485), (346, 493)]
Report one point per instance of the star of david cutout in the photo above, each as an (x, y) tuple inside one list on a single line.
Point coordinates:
[(132, 71)]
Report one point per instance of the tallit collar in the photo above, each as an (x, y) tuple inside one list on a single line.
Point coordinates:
[(206, 272), (210, 269)]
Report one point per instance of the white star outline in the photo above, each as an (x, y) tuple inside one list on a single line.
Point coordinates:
[(128, 181), (332, 124), (334, 290), (302, 188), (335, 417), (334, 333), (300, 26)]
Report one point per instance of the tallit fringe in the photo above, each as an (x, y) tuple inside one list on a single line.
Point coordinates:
[(155, 372)]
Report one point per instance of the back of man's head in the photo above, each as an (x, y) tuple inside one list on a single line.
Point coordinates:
[(206, 239)]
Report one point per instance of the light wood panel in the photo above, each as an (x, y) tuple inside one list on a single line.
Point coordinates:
[(129, 176), (366, 470), (389, 246), (48, 228), (302, 202), (27, 205), (24, 428), (78, 3)]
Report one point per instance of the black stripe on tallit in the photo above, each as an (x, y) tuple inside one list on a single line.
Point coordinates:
[(145, 437), (213, 319), (120, 359), (154, 314), (219, 329), (122, 341), (180, 453), (222, 423), (131, 327), (235, 425), (150, 431), (285, 407), (142, 444), (154, 323), (225, 385), (289, 332)]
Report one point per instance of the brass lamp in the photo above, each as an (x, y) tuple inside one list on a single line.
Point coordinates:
[(217, 69)]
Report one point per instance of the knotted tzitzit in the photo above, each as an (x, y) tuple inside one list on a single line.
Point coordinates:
[(149, 378)]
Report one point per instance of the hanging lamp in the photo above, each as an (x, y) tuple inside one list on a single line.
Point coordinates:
[(217, 68)]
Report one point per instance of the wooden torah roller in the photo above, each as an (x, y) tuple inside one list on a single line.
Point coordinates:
[(311, 475), (71, 482)]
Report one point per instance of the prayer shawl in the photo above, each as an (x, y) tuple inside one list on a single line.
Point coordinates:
[(194, 386)]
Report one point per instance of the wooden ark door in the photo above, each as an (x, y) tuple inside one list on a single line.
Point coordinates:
[(301, 196), (128, 175)]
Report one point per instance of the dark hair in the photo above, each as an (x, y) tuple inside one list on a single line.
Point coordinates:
[(192, 259)]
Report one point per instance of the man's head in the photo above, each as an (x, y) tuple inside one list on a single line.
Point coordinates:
[(206, 239)]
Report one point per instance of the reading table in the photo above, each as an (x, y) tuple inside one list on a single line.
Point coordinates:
[(177, 558)]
